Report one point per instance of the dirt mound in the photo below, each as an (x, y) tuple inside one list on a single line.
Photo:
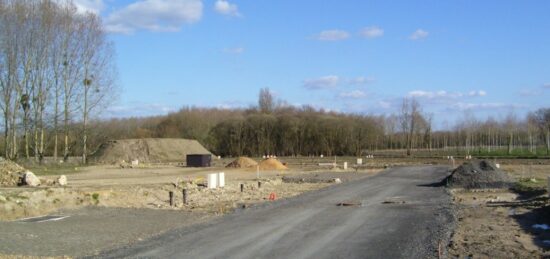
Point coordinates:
[(272, 164), (242, 162), (478, 175), (152, 150), (9, 173)]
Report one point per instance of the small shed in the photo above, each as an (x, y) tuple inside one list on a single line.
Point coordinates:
[(199, 160)]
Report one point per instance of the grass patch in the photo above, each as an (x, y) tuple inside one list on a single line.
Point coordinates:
[(95, 198), (531, 186)]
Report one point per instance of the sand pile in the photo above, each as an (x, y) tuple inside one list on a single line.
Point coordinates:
[(9, 173), (242, 162), (478, 175), (272, 164), (153, 150)]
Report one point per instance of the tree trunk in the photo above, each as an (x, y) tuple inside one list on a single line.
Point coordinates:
[(66, 131), (548, 141)]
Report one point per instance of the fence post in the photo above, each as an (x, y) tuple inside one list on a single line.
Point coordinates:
[(171, 195)]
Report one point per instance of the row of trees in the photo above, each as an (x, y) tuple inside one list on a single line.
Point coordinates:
[(276, 128), (56, 69)]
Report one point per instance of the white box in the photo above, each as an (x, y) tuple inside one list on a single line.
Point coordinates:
[(345, 165), (359, 161), (221, 179), (212, 181)]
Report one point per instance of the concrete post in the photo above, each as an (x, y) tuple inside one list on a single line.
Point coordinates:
[(184, 196)]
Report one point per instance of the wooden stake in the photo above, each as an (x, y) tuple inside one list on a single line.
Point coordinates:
[(171, 195)]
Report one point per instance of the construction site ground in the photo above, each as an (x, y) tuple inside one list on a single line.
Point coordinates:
[(501, 223), (107, 206)]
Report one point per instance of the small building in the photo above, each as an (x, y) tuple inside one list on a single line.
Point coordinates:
[(199, 160)]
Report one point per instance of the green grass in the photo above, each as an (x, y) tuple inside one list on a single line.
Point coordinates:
[(534, 185), (95, 198), (515, 153)]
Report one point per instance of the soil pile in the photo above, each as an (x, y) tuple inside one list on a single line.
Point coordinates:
[(272, 164), (478, 175), (152, 150), (242, 162), (9, 173)]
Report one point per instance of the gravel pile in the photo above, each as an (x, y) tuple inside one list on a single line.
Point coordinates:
[(478, 174)]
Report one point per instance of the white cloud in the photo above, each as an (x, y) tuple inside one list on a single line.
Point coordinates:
[(432, 95), (482, 106), (226, 8), (442, 94), (419, 34), (325, 82), (333, 35), (361, 80), (83, 6), (237, 50), (138, 109), (528, 92), (154, 15), (477, 93), (356, 94), (372, 32), (384, 104)]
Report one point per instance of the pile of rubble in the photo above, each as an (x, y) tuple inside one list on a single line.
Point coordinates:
[(478, 174), (12, 174)]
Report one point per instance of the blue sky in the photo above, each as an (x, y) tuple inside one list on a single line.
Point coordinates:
[(488, 58)]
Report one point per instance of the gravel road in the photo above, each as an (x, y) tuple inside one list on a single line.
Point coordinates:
[(402, 215)]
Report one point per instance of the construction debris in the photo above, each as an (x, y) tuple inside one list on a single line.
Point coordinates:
[(478, 174), (30, 179), (10, 173), (62, 180)]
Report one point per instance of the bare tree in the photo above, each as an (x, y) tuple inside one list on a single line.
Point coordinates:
[(266, 102), (409, 118), (98, 73)]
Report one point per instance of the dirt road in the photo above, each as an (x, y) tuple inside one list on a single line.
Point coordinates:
[(402, 215)]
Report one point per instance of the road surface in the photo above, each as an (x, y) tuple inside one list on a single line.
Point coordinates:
[(403, 214)]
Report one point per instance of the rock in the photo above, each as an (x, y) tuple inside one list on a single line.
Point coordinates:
[(2, 198), (62, 180), (336, 180), (30, 179)]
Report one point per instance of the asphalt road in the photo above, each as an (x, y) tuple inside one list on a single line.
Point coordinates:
[(402, 216)]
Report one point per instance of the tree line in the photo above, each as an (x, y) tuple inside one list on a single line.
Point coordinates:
[(56, 72), (274, 128)]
